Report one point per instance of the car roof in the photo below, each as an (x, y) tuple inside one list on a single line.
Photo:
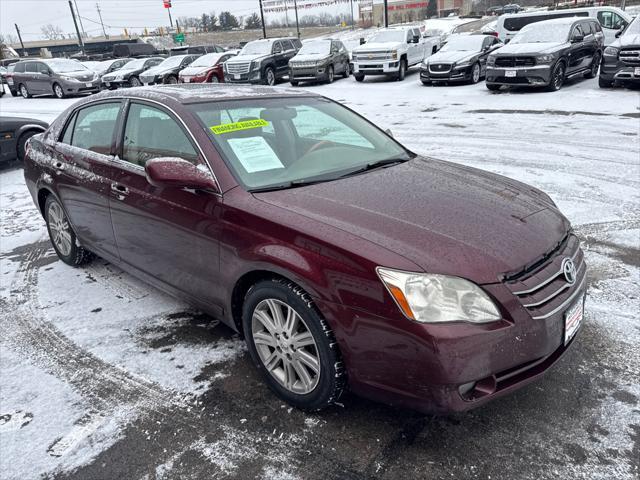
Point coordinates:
[(196, 93), (563, 21)]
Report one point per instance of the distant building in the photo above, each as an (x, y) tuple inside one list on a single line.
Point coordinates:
[(407, 11), (69, 47)]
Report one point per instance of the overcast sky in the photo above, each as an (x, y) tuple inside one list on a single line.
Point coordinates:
[(30, 15)]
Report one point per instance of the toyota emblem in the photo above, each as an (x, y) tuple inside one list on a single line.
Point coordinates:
[(569, 270)]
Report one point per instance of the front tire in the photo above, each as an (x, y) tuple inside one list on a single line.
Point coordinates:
[(292, 345), (557, 77), (402, 72), (62, 236), (135, 82), (269, 77), (58, 92), (330, 74), (171, 80), (359, 77), (476, 73), (492, 87), (602, 83), (347, 71), (294, 83)]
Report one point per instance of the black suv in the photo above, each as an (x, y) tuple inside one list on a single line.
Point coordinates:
[(262, 61), (621, 59), (546, 53)]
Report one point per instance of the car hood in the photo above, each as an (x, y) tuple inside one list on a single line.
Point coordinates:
[(530, 48), (310, 58), (80, 74), (117, 73), (445, 218), (627, 41), (377, 46), (191, 71), (246, 58), (155, 71), (452, 56)]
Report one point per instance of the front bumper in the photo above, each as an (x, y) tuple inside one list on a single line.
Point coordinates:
[(74, 88), (454, 75), (538, 75), (112, 84), (311, 74), (253, 77), (617, 71), (442, 368), (376, 67), (151, 80)]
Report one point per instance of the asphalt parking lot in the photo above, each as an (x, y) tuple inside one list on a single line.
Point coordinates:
[(104, 377)]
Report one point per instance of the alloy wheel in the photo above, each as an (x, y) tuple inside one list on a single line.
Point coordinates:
[(595, 66), (60, 229), (286, 346), (24, 92), (214, 79), (135, 82), (57, 90), (558, 77), (330, 74), (172, 80), (475, 74), (271, 77)]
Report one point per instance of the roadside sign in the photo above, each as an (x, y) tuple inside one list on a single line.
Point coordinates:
[(178, 37)]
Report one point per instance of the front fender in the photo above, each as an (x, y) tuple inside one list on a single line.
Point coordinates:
[(29, 126)]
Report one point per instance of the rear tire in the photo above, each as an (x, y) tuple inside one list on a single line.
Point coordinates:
[(602, 83), (297, 353), (24, 91), (492, 87), (359, 77), (595, 67), (14, 93), (62, 236), (21, 147), (294, 83)]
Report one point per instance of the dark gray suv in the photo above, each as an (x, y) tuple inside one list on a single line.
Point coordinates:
[(60, 77), (319, 60), (546, 53)]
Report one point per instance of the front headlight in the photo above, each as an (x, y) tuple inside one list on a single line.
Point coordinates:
[(611, 51), (68, 78), (394, 55), (542, 59), (430, 298), (119, 77), (462, 65), (491, 61), (255, 66)]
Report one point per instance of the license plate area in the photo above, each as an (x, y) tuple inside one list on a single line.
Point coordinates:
[(573, 319), (510, 73), (88, 85)]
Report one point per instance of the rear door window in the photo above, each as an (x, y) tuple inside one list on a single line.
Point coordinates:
[(94, 127), (514, 24), (32, 67), (19, 68), (152, 133)]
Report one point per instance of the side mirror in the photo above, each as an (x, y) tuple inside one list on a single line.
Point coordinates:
[(389, 132), (507, 40), (178, 173), (577, 38), (362, 41), (619, 32), (415, 39)]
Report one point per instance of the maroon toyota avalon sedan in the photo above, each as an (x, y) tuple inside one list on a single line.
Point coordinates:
[(341, 256)]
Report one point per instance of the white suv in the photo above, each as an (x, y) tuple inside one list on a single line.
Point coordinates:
[(391, 51)]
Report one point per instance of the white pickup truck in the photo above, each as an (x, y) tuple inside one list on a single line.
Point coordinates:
[(391, 51)]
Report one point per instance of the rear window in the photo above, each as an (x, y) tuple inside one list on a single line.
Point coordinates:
[(19, 68), (514, 24), (32, 67)]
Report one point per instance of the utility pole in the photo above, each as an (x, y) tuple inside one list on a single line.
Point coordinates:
[(295, 6), (264, 27), (353, 25), (24, 52), (386, 14), (84, 34), (101, 22), (286, 13), (80, 41)]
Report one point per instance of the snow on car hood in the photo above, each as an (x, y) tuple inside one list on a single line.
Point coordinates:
[(628, 41), (377, 46), (247, 58), (443, 217), (192, 71), (529, 48), (310, 57), (155, 71), (451, 57)]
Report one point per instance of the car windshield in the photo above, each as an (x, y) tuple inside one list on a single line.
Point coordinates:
[(134, 64), (543, 32), (65, 66), (172, 62), (207, 60), (95, 66), (389, 36), (256, 48), (281, 143), (322, 47), (634, 27), (470, 43)]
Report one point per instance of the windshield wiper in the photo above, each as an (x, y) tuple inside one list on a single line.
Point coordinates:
[(374, 165), (292, 184)]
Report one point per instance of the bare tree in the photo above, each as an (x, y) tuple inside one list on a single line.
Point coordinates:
[(52, 32), (8, 38)]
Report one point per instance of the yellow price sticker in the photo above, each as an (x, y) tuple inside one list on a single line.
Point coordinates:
[(237, 126)]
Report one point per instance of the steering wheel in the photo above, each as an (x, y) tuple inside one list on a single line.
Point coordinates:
[(317, 146)]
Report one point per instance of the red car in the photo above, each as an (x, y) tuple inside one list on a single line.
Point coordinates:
[(206, 69), (342, 257)]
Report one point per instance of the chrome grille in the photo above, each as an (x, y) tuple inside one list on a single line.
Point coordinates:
[(630, 56), (238, 68), (373, 56), (440, 67), (545, 291)]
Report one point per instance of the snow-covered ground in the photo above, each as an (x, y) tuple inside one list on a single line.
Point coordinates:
[(104, 377)]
